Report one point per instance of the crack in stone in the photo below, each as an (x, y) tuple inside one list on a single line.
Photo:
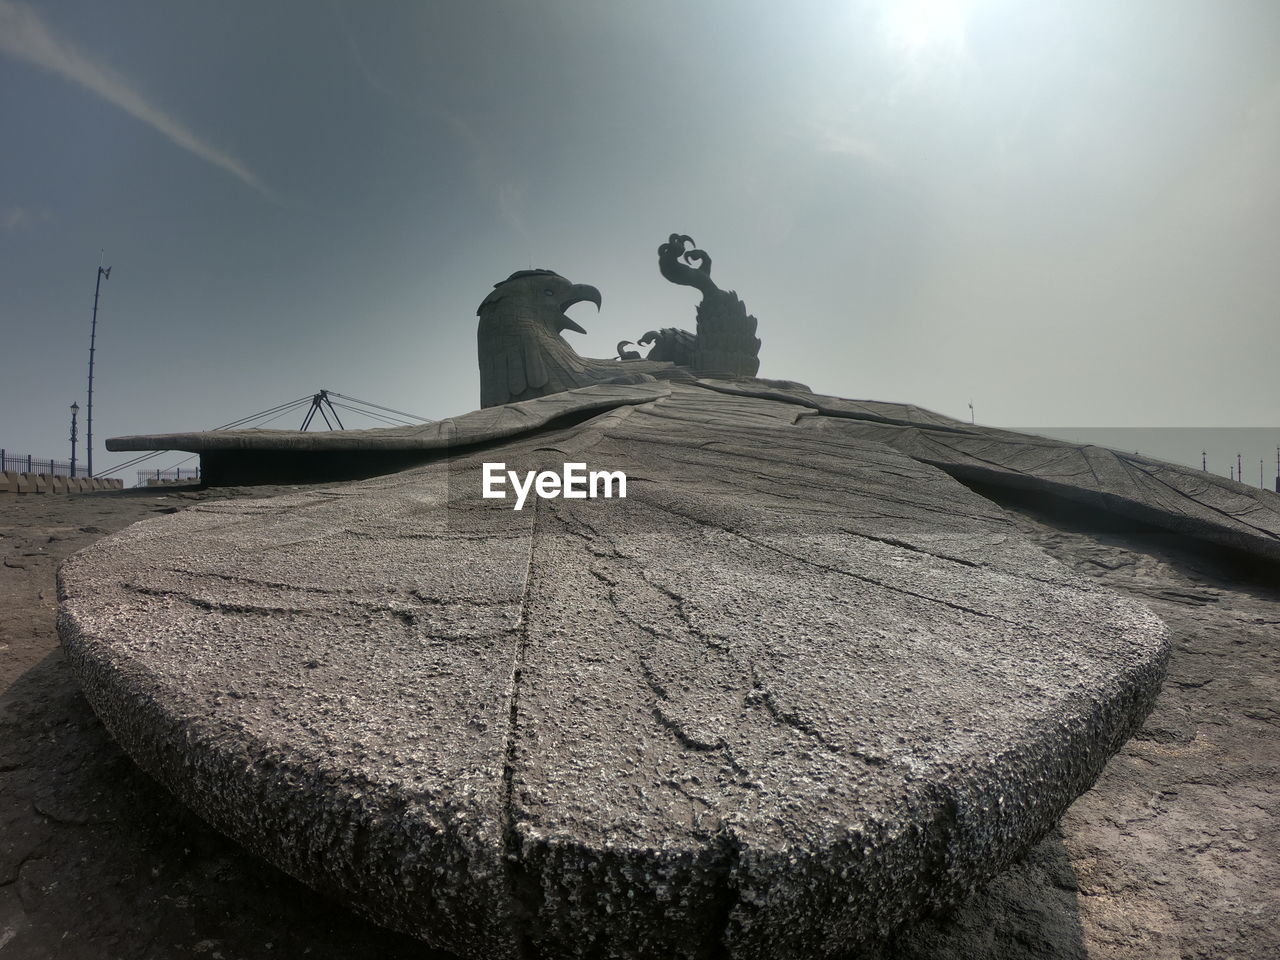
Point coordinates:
[(1173, 596), (662, 454), (383, 534), (17, 870), (670, 724), (685, 739), (522, 890), (758, 695), (218, 606), (342, 597), (840, 473), (1183, 496), (1097, 480), (678, 787), (762, 696), (823, 566), (214, 606), (1000, 465), (481, 602), (674, 726), (729, 848), (894, 542), (254, 581), (715, 643)]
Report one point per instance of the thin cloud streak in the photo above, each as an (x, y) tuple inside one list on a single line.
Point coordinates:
[(22, 218), (24, 36)]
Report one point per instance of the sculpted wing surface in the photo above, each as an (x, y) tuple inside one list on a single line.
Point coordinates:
[(794, 690), (798, 688)]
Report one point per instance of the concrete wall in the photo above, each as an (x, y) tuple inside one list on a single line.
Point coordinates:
[(23, 483)]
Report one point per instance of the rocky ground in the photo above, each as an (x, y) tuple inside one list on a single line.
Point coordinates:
[(1174, 854)]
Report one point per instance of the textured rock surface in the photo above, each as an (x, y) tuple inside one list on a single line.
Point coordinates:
[(794, 690), (1191, 502), (1175, 852)]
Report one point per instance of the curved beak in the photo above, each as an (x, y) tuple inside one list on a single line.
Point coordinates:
[(577, 293)]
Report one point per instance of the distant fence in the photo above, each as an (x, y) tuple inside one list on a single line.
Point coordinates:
[(175, 475), (20, 463)]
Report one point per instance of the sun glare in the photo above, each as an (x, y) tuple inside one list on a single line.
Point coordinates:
[(926, 28)]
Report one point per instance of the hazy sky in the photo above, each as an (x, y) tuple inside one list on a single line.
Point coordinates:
[(1068, 213)]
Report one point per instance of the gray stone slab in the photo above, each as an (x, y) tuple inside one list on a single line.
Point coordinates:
[(797, 689), (1191, 502), (312, 680)]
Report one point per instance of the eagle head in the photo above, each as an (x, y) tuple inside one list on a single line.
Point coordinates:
[(521, 351), (539, 296)]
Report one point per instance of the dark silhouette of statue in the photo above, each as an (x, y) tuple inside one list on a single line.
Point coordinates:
[(523, 353), (671, 344), (726, 342), (521, 350)]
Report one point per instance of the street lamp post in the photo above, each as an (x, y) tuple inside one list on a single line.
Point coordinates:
[(75, 409), (93, 335)]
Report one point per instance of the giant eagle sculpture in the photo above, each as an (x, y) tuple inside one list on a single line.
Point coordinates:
[(522, 352), (800, 686)]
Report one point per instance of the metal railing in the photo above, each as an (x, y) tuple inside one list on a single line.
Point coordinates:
[(175, 474), (25, 463)]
